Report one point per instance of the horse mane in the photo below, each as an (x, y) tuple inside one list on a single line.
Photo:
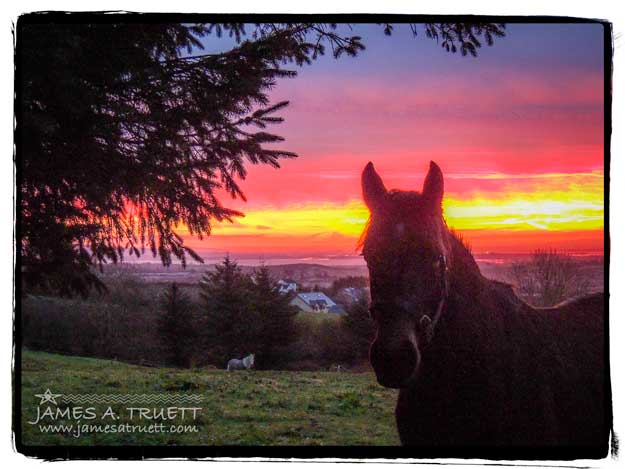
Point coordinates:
[(464, 256), (361, 240), (461, 239)]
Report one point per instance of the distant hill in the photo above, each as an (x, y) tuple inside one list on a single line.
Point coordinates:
[(302, 273), (494, 266)]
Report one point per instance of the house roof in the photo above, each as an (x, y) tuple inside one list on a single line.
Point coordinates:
[(312, 298)]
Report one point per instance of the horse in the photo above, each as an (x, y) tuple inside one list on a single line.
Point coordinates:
[(476, 367), (244, 364)]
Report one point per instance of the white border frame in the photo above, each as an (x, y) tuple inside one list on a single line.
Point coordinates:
[(598, 9)]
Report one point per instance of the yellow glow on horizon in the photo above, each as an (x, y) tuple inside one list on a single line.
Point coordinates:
[(551, 211), (540, 211), (556, 206), (302, 219)]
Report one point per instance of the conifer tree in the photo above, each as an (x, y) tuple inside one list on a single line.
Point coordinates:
[(276, 325), (230, 319), (177, 327)]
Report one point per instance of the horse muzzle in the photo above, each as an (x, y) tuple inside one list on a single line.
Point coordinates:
[(395, 367)]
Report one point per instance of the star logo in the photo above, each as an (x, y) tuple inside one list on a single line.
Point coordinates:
[(48, 397)]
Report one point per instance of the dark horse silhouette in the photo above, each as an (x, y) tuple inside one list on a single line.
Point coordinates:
[(476, 366)]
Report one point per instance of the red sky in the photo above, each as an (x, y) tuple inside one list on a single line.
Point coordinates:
[(518, 133)]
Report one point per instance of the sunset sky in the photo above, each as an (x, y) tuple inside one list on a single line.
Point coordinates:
[(517, 131)]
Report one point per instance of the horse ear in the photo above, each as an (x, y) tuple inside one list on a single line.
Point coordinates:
[(373, 190), (433, 187)]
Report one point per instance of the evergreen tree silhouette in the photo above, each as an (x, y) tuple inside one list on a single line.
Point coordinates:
[(231, 321), (177, 326), (125, 130), (276, 325)]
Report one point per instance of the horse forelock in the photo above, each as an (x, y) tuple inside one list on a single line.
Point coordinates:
[(409, 198), (403, 212)]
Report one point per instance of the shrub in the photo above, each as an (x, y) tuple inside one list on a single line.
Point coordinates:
[(548, 278), (122, 323), (163, 325), (358, 328)]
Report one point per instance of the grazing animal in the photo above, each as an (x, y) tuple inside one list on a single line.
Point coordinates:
[(476, 366), (244, 364)]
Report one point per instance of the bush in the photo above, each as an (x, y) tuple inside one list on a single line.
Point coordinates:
[(163, 325), (548, 278), (336, 346), (100, 326), (359, 328), (123, 324)]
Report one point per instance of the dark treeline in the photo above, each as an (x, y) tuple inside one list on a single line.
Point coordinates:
[(228, 315)]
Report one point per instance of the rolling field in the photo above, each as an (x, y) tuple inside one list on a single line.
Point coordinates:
[(241, 408)]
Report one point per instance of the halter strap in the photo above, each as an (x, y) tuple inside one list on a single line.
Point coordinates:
[(427, 323)]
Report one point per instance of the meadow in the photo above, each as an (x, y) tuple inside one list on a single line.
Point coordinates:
[(241, 408)]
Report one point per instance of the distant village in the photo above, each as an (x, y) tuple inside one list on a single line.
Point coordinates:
[(320, 302)]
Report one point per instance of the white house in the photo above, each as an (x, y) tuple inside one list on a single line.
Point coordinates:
[(286, 286), (313, 302)]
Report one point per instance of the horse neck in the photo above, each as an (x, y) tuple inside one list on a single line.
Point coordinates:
[(460, 323), (472, 297), (465, 278)]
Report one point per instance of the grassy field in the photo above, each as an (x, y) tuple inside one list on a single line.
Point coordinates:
[(242, 408)]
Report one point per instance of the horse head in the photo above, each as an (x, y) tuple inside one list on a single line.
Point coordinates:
[(250, 360), (407, 250)]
